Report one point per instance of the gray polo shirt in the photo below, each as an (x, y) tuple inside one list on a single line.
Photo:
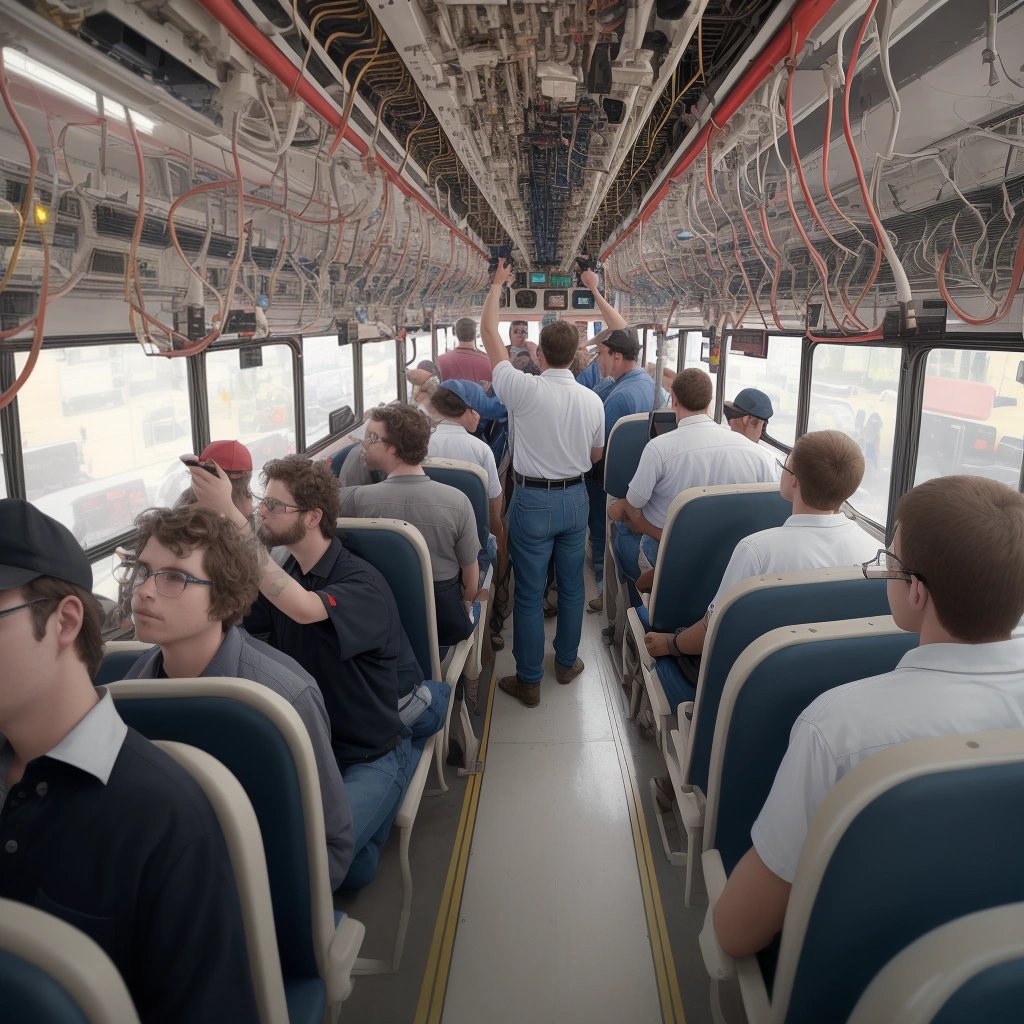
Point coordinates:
[(443, 514), (240, 656)]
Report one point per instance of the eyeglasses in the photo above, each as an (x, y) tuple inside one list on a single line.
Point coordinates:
[(278, 508), (783, 467), (519, 330), (27, 604), (371, 438), (886, 566), (168, 582)]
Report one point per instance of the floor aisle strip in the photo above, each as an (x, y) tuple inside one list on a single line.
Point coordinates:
[(430, 1005), (661, 947)]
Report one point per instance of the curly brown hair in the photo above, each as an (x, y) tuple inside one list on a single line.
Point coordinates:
[(229, 555), (408, 431), (311, 484), (89, 642), (693, 389)]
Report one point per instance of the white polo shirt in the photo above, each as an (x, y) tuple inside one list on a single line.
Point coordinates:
[(698, 453), (554, 420), (802, 542), (452, 441), (936, 690)]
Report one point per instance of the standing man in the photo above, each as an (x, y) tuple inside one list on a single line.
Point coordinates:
[(559, 434), (465, 361)]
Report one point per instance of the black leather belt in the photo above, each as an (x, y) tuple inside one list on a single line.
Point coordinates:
[(533, 481)]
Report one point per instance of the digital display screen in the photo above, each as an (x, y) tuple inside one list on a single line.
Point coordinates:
[(556, 300), (583, 300), (561, 280), (750, 343), (538, 280)]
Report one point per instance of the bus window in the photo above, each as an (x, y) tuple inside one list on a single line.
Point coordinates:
[(256, 405), (972, 416), (329, 382), (778, 377), (380, 384), (854, 389), (102, 427), (696, 354)]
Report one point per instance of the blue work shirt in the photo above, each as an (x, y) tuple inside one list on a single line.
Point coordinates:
[(632, 392)]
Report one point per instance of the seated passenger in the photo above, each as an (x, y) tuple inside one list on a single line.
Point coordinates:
[(698, 453), (465, 361), (748, 413), (335, 615), (493, 428), (234, 458), (196, 630), (956, 577), (822, 471), (396, 443), (454, 437), (98, 826)]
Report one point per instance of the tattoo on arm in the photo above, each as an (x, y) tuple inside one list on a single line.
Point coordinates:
[(275, 579)]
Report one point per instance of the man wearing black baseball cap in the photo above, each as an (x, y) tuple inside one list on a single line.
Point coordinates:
[(97, 825), (748, 413)]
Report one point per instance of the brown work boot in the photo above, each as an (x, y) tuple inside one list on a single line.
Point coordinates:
[(526, 693), (567, 673), (596, 604)]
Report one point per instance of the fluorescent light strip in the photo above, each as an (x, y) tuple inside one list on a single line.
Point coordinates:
[(39, 74)]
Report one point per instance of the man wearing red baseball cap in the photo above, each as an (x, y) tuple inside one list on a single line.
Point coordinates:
[(236, 461)]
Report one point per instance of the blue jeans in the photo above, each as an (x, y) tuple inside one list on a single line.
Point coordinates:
[(543, 523), (597, 525), (375, 790), (488, 556), (627, 546)]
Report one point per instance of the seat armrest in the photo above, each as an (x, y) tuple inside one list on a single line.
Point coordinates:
[(341, 956), (413, 795), (719, 965)]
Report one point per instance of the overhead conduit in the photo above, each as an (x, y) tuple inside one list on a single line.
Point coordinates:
[(806, 14), (248, 36)]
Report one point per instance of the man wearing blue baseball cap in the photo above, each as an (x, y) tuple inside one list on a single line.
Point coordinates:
[(97, 825), (748, 413)]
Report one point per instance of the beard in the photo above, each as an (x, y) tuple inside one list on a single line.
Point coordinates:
[(281, 538)]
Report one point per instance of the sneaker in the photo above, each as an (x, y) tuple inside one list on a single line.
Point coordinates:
[(664, 794), (567, 673), (527, 694), (596, 604)]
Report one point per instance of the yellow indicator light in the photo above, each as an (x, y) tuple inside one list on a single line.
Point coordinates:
[(42, 216)]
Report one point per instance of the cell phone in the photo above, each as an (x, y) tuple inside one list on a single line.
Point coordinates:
[(193, 460)]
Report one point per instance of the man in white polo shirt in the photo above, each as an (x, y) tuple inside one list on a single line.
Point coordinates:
[(956, 577), (697, 453), (558, 428), (823, 469)]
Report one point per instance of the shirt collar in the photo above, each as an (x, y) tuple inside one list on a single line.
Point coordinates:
[(92, 746), (691, 421), (327, 559), (562, 374), (450, 428), (836, 519), (635, 372), (225, 661), (1002, 656)]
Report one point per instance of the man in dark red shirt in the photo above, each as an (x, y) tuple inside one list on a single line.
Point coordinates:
[(465, 361)]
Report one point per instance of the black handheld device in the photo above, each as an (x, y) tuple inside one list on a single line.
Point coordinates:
[(193, 460)]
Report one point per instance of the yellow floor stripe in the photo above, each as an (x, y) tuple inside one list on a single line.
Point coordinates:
[(430, 1005), (661, 947)]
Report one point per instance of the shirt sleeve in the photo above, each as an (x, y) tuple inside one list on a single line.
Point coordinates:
[(191, 948), (510, 385), (641, 487), (337, 813), (359, 613), (743, 564), (348, 501), (493, 483), (808, 771), (467, 543)]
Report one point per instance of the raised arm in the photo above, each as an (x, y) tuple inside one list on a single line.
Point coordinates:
[(489, 315), (612, 317)]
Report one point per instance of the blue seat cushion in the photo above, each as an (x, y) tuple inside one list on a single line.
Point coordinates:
[(306, 999), (30, 994)]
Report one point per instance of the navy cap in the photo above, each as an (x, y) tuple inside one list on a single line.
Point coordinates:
[(749, 402), (33, 545), (616, 339)]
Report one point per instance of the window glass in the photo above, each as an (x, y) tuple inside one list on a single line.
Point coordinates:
[(329, 382), (854, 389), (379, 384), (696, 346), (102, 429), (778, 377), (255, 406), (972, 420)]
